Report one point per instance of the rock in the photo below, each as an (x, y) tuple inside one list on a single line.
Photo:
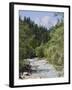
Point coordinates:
[(26, 74)]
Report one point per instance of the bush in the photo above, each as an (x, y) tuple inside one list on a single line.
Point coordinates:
[(40, 51), (54, 55), (26, 52), (49, 53)]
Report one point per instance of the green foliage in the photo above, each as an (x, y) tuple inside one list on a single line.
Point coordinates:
[(54, 50), (30, 37), (40, 51)]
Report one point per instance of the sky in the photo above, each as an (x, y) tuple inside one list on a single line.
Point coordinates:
[(43, 18)]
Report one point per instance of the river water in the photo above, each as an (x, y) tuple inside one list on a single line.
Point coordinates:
[(41, 69)]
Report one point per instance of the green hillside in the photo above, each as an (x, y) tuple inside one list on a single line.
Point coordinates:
[(54, 49), (30, 36)]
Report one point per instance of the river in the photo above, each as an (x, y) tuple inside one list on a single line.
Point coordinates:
[(41, 69)]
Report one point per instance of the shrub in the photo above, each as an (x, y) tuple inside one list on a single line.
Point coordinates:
[(40, 51), (54, 55)]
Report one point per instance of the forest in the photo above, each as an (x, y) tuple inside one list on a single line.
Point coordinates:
[(38, 41)]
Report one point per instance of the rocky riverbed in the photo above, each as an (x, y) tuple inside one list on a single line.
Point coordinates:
[(41, 69)]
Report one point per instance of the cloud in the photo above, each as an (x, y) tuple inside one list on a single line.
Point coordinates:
[(37, 21), (46, 21)]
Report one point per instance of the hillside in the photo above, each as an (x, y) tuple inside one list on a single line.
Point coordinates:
[(30, 37), (54, 49)]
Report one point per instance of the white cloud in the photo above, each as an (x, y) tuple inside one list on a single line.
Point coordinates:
[(46, 21), (37, 21)]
